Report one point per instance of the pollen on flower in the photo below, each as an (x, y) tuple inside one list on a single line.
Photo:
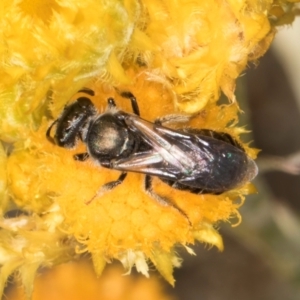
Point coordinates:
[(41, 10)]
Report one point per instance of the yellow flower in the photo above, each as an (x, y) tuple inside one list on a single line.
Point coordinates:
[(77, 280), (174, 56), (124, 223)]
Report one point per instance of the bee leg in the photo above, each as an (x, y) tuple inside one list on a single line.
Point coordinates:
[(87, 91), (81, 156), (48, 133), (134, 103), (172, 119), (108, 187), (162, 200)]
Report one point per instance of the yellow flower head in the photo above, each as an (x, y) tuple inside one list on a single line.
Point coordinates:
[(175, 57), (77, 280), (124, 223)]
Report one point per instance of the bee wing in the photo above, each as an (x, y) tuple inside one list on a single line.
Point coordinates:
[(148, 162), (165, 159), (221, 164), (194, 159), (172, 152)]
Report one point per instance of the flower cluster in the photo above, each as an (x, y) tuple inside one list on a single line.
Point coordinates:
[(174, 56)]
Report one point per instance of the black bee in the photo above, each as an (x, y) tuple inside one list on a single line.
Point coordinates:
[(196, 160)]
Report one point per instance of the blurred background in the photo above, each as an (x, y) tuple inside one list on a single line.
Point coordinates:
[(261, 259)]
